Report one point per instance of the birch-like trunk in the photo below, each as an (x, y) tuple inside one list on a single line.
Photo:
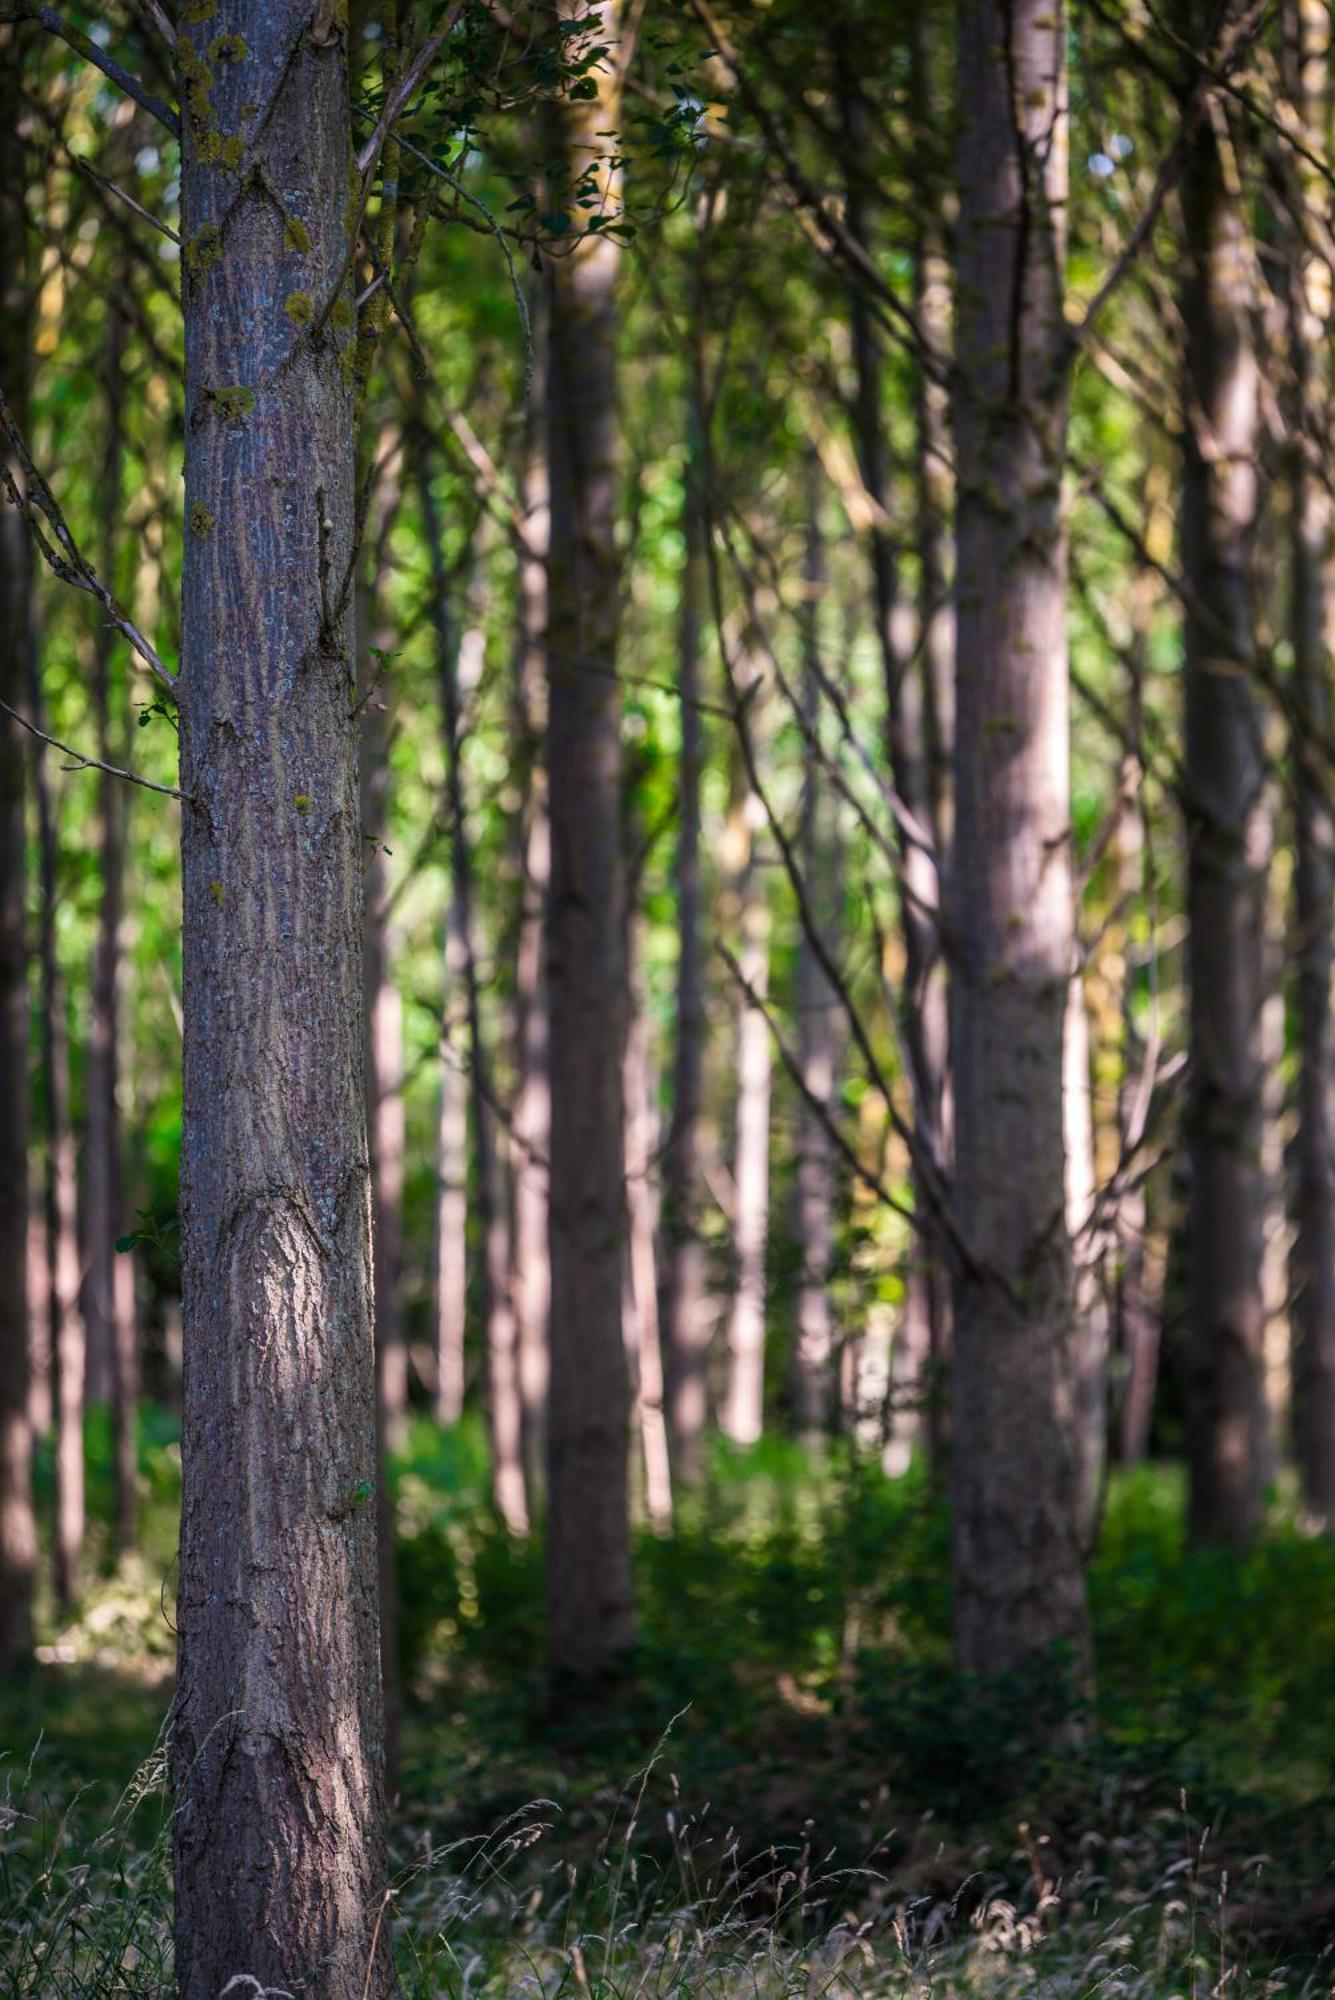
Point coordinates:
[(278, 1730), (1019, 1585), (742, 1416), (1225, 828), (590, 1617)]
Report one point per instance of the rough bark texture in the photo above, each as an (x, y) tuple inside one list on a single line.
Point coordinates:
[(1225, 779), (588, 1537), (18, 1535), (1312, 1263), (277, 1741), (1017, 1568), (67, 1343), (685, 1304)]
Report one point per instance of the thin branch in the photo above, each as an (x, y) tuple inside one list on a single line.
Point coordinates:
[(56, 24), (72, 567), (83, 763)]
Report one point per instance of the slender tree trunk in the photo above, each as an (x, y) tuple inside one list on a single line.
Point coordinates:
[(18, 1532), (278, 1732), (383, 1055), (817, 1041), (1017, 1565), (742, 1417), (685, 1304), (110, 1330), (1138, 1302), (1092, 1323), (1225, 780), (1312, 1261), (910, 705), (531, 1277), (68, 1351), (452, 1176), (505, 1409), (643, 1335), (590, 1616)]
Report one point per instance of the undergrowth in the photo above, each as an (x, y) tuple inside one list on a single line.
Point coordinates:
[(832, 1811)]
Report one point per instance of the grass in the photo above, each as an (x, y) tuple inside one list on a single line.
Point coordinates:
[(830, 1811)]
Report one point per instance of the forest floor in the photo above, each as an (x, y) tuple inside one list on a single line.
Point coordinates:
[(791, 1793)]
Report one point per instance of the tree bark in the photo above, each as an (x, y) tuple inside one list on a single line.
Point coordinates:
[(1019, 1586), (1225, 780), (451, 1290), (590, 1617), (278, 1733), (685, 1304), (1312, 1260), (1092, 1324), (18, 1531)]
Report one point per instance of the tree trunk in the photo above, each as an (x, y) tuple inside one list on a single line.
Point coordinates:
[(505, 1410), (1091, 1306), (817, 1012), (451, 1301), (909, 705), (1312, 1262), (531, 1275), (742, 1417), (1225, 778), (278, 1732), (110, 1329), (1138, 1301), (643, 1334), (68, 1351), (383, 1055), (18, 1532), (685, 1304), (1017, 1565), (588, 1540)]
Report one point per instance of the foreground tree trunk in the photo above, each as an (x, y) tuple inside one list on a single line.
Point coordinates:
[(1017, 1567), (18, 1533), (277, 1741), (588, 1535), (1312, 1262), (1225, 780)]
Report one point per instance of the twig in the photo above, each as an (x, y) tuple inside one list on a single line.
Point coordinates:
[(55, 24), (71, 567), (82, 763)]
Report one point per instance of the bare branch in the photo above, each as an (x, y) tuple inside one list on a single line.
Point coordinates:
[(83, 45), (82, 763)]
